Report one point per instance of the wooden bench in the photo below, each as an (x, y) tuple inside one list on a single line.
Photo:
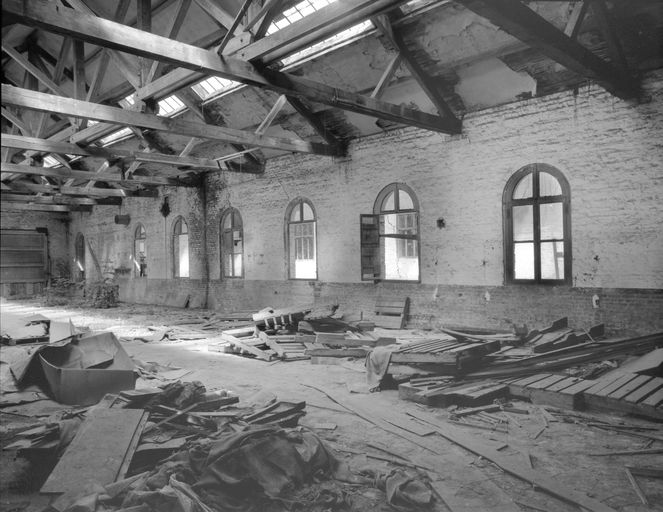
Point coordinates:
[(391, 313)]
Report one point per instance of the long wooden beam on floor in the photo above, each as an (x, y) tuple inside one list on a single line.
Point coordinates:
[(116, 36), (43, 102)]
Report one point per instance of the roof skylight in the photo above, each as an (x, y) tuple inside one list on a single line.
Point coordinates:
[(170, 106), (49, 161), (297, 12), (117, 136), (213, 86), (344, 37)]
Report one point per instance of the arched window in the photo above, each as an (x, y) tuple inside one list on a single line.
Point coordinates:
[(180, 248), (390, 237), (231, 240), (140, 251), (537, 226), (301, 240), (79, 258)]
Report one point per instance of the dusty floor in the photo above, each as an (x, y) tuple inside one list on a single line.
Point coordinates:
[(470, 483)]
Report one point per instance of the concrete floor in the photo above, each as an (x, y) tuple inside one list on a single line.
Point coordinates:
[(470, 483)]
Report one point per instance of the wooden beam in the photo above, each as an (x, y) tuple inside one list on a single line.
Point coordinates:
[(24, 198), (271, 115), (120, 37), (607, 24), (33, 70), (273, 9), (176, 24), (16, 121), (425, 81), (57, 77), (144, 22), (43, 207), (576, 18), (46, 102), (64, 173), (75, 191), (221, 16), (261, 13), (235, 24), (387, 75), (110, 153), (520, 21), (316, 124)]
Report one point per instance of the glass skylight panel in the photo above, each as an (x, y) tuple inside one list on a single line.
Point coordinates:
[(213, 85), (342, 37), (116, 136), (128, 102), (170, 106), (297, 12), (49, 161)]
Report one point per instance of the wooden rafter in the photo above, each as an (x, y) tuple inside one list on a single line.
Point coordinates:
[(607, 25), (387, 75), (108, 177), (120, 37), (273, 9), (144, 22), (177, 22), (66, 106), (520, 21), (218, 14), (425, 81), (235, 24)]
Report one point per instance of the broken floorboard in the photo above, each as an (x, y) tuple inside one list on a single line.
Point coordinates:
[(98, 452)]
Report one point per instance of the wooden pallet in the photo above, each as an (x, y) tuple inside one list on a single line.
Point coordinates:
[(550, 389), (630, 393), (436, 392), (454, 354)]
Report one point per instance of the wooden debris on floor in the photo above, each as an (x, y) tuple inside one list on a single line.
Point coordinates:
[(391, 313), (451, 355), (444, 392)]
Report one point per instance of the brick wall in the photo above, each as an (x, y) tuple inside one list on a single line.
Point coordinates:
[(609, 151), (57, 239)]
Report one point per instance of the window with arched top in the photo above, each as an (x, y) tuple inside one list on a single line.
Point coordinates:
[(140, 251), (180, 248), (301, 240), (537, 226), (79, 257), (390, 236), (231, 241)]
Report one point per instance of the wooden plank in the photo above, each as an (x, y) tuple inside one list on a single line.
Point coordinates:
[(602, 383), (91, 458), (260, 354), (644, 391), (135, 439), (35, 100), (614, 386), (563, 384), (655, 399), (544, 383), (127, 39), (630, 386)]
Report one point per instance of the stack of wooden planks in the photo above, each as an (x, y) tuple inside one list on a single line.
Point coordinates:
[(450, 355), (627, 393), (391, 313)]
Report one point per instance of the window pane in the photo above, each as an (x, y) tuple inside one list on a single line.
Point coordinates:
[(237, 220), (183, 253), (400, 259), (389, 224), (523, 257), (388, 203), (552, 221), (523, 223), (524, 188), (548, 185), (238, 265), (296, 214), (227, 222), (552, 260), (404, 201), (308, 212)]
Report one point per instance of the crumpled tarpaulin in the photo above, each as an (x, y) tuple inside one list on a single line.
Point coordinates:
[(377, 364)]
